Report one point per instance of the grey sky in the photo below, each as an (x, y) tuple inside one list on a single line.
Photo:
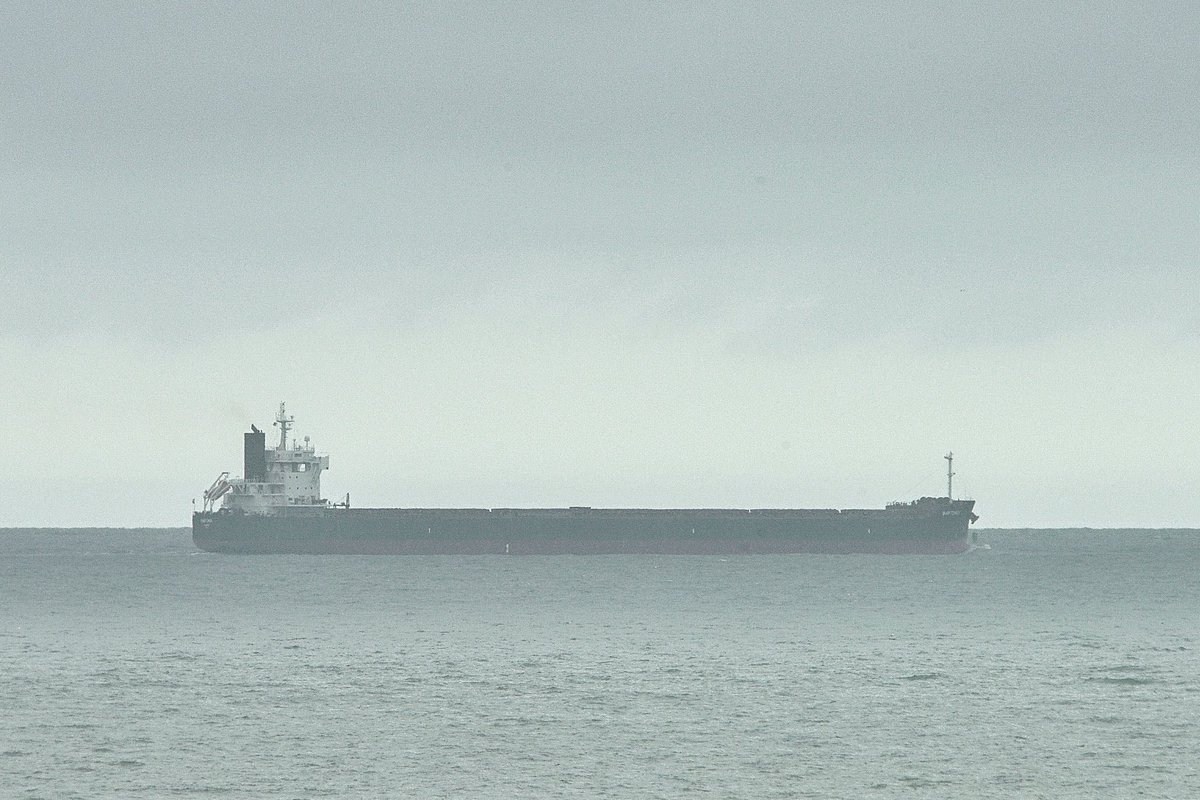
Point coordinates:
[(604, 254)]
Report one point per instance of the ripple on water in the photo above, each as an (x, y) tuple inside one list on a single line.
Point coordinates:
[(279, 678), (1121, 680)]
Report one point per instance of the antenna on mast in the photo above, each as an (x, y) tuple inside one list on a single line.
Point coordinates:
[(284, 423), (949, 475)]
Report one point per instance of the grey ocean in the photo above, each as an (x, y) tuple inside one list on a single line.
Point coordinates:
[(1058, 664)]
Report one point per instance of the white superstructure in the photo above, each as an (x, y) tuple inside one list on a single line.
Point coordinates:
[(287, 477)]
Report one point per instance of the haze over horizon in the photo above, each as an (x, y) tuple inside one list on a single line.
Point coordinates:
[(616, 255)]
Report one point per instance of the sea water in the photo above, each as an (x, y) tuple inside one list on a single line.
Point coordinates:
[(1058, 664)]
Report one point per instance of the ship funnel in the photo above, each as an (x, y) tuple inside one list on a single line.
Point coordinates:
[(256, 456)]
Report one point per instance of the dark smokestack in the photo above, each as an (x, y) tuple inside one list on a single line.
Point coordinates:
[(256, 456)]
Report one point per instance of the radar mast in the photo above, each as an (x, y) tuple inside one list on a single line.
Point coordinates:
[(284, 423), (949, 474)]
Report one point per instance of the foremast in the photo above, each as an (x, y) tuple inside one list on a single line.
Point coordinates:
[(949, 472)]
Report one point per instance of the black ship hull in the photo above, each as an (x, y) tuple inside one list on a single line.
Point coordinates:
[(927, 526)]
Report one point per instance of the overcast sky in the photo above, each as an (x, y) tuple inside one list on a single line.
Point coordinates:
[(609, 254)]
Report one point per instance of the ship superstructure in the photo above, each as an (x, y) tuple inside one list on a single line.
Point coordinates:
[(276, 507), (273, 479)]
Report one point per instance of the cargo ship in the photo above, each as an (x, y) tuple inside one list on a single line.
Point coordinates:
[(276, 507)]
